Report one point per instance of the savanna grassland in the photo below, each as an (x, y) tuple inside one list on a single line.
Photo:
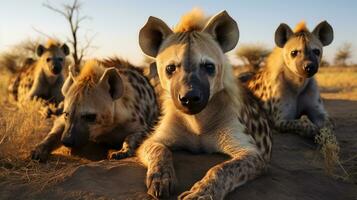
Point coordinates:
[(299, 167)]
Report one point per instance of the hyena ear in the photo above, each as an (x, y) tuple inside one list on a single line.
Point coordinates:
[(282, 35), (67, 84), (151, 36), (324, 33), (153, 71), (112, 82), (224, 30), (65, 49), (40, 50)]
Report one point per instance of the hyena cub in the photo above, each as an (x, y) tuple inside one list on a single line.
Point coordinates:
[(205, 109), (109, 102), (286, 86), (42, 78)]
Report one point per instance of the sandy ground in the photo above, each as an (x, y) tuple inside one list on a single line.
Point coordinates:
[(296, 171)]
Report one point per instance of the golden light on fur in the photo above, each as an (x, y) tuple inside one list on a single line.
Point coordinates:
[(52, 43), (191, 21), (91, 72), (301, 27)]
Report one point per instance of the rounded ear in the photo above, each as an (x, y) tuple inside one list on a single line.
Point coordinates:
[(40, 50), (112, 82), (68, 83), (282, 35), (152, 35), (324, 33), (65, 49), (224, 30)]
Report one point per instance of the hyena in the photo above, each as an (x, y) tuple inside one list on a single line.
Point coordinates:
[(286, 86), (109, 102), (41, 78), (204, 108)]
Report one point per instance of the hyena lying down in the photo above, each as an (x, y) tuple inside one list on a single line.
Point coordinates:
[(104, 96), (286, 85), (43, 78), (205, 109)]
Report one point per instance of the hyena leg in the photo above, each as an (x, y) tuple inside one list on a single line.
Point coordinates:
[(160, 176), (225, 177), (320, 118), (51, 142), (302, 126), (130, 144)]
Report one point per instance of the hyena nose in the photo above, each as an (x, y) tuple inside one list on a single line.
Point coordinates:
[(309, 68), (191, 97)]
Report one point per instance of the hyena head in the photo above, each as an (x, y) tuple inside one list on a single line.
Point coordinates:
[(89, 103), (190, 58), (52, 57), (302, 49)]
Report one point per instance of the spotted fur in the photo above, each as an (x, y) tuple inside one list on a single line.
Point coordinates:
[(110, 102), (285, 86), (42, 78), (232, 122)]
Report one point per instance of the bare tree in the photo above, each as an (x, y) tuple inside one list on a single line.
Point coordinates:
[(18, 55), (343, 54), (71, 12), (252, 55)]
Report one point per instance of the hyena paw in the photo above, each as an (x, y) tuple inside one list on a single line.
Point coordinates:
[(200, 191), (39, 154), (195, 195), (160, 181), (121, 154), (310, 128)]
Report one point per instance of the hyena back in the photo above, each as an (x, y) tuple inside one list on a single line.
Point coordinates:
[(204, 109), (286, 86), (110, 102)]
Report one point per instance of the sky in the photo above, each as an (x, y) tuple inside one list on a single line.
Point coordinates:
[(116, 23)]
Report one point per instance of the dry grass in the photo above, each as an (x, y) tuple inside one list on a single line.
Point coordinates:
[(341, 78), (329, 149), (20, 130)]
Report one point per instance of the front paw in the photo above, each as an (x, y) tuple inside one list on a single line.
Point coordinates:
[(117, 155), (201, 190), (160, 181), (310, 128), (39, 154), (192, 195)]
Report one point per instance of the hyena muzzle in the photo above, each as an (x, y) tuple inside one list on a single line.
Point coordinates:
[(110, 102), (287, 87), (204, 108)]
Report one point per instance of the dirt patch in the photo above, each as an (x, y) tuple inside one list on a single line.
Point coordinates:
[(296, 171)]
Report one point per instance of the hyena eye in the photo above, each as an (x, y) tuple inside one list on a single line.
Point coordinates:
[(90, 118), (66, 115), (48, 59), (316, 52), (210, 68), (60, 59), (170, 69), (294, 53)]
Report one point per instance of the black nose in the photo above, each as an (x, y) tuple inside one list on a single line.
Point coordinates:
[(191, 97), (56, 68), (309, 68)]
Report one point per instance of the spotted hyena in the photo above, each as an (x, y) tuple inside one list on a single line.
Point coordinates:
[(41, 78), (204, 108), (287, 87), (109, 102)]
